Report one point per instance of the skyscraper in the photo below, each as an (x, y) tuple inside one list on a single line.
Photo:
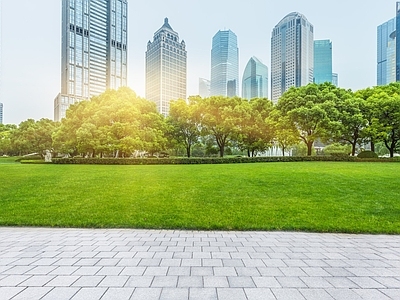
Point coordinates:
[(322, 61), (335, 79), (94, 50), (224, 64), (1, 113), (292, 54), (204, 87), (166, 59), (386, 69), (255, 80)]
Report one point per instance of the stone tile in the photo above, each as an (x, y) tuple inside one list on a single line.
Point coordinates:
[(174, 294), (370, 294), (62, 281), (231, 294), (259, 294), (190, 282), (61, 293), (13, 280), (39, 280), (287, 294), (201, 271), (139, 281), (241, 282), (146, 294), (215, 281), (9, 292), (89, 294), (266, 282), (88, 281), (203, 294), (165, 281), (114, 281), (32, 293), (315, 294)]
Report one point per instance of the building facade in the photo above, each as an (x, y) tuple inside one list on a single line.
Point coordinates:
[(255, 80), (335, 79), (94, 50), (166, 68), (204, 88), (292, 54), (386, 68), (224, 64), (322, 61), (1, 113)]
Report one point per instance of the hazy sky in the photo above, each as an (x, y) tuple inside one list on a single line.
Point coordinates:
[(31, 41)]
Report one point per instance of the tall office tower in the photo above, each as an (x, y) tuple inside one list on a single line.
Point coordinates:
[(166, 59), (1, 113), (397, 45), (224, 64), (255, 80), (94, 50), (386, 71), (204, 88), (292, 54), (322, 61)]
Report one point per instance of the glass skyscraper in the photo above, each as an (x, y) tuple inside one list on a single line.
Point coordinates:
[(292, 54), (94, 50), (204, 88), (224, 64), (166, 59), (322, 61), (255, 80), (386, 69)]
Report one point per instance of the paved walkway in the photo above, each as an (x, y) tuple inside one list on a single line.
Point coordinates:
[(144, 264)]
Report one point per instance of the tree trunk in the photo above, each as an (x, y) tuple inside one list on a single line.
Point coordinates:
[(283, 151), (188, 151), (309, 147), (372, 146), (353, 149), (248, 152)]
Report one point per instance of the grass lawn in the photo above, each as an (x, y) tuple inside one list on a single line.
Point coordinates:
[(303, 196)]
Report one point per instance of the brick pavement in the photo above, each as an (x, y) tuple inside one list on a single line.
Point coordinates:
[(42, 263)]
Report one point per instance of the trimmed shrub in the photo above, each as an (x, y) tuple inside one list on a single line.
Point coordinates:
[(191, 161), (367, 154)]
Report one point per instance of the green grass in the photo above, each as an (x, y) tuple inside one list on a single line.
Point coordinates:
[(304, 196)]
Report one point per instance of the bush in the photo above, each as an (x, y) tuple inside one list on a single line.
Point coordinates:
[(192, 160), (367, 154), (337, 149)]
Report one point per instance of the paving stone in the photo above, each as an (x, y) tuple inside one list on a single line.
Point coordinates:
[(165, 281), (174, 294), (287, 294), (231, 294), (315, 294), (139, 281), (40, 280), (32, 293), (89, 294), (62, 281), (88, 281), (215, 281), (60, 293), (14, 280), (190, 281), (369, 294), (259, 294), (203, 294), (266, 282), (241, 282), (9, 292), (114, 281)]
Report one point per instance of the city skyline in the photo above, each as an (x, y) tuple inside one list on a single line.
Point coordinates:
[(32, 63)]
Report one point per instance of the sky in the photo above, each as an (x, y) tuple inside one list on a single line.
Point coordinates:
[(31, 41)]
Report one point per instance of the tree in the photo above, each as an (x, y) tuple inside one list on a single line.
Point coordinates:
[(5, 138), (352, 123), (385, 102), (286, 134), (184, 126), (33, 136), (216, 117), (254, 133), (310, 109)]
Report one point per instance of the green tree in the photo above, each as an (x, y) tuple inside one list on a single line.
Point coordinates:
[(216, 117), (184, 126), (5, 139), (311, 109)]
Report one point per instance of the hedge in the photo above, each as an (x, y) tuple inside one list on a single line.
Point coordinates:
[(192, 161)]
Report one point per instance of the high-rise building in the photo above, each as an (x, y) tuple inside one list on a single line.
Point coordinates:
[(94, 50), (1, 113), (292, 54), (224, 64), (386, 69), (255, 80), (322, 61), (335, 79), (204, 87), (166, 59)]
